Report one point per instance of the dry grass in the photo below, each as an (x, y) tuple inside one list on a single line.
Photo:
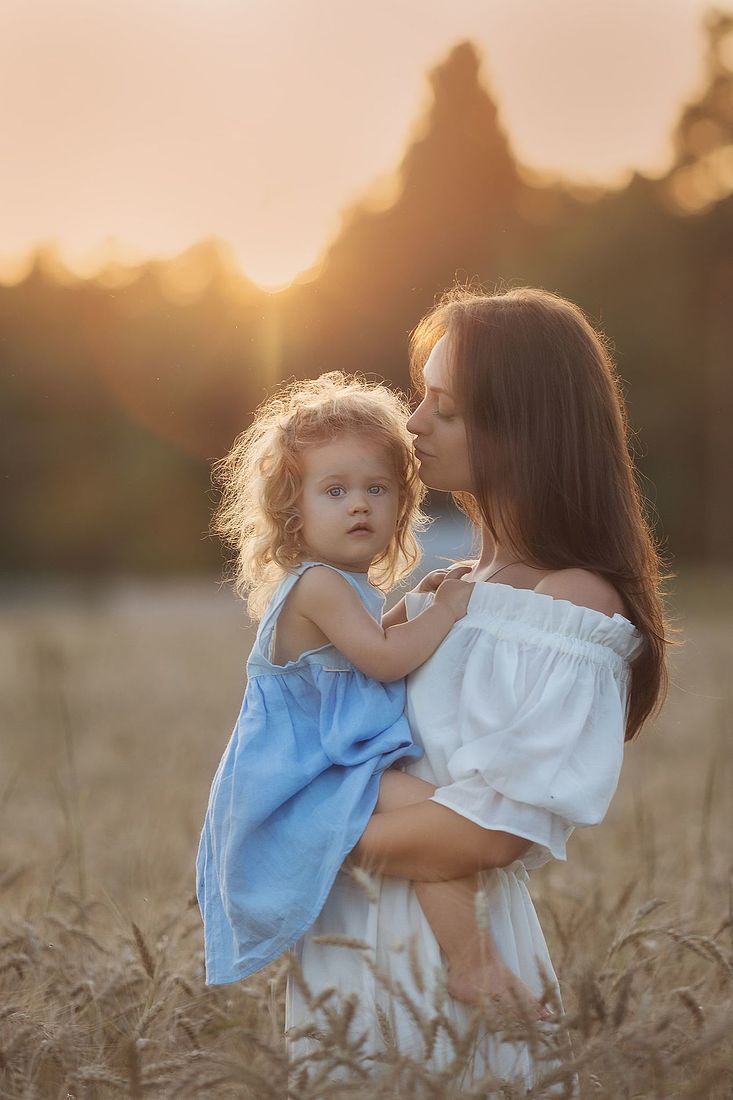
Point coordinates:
[(114, 714)]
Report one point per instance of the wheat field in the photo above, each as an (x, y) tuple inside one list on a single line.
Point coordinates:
[(116, 705)]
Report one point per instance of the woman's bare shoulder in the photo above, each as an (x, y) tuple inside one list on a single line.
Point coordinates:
[(584, 588)]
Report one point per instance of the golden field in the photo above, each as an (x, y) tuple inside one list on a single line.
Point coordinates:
[(116, 705)]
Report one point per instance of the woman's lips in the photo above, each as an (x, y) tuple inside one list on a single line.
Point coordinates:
[(422, 454)]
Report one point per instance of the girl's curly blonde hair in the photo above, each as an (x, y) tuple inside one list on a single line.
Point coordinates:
[(260, 479)]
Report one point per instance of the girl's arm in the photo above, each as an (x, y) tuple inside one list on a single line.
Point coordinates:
[(427, 842), (395, 615), (327, 600)]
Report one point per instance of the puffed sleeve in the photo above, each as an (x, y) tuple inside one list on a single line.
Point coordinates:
[(538, 719)]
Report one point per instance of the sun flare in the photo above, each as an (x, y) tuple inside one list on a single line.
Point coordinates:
[(277, 270)]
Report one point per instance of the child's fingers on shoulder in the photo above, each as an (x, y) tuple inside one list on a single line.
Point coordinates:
[(431, 580), (457, 571)]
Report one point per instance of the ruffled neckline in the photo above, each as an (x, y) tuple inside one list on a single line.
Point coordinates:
[(557, 616)]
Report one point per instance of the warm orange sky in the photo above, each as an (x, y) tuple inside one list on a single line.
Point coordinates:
[(154, 123)]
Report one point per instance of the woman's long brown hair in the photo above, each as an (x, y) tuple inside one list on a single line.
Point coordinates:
[(549, 452)]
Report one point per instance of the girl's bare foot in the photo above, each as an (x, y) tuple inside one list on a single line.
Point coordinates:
[(473, 983), (464, 986)]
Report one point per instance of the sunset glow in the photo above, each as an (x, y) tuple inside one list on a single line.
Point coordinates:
[(134, 130)]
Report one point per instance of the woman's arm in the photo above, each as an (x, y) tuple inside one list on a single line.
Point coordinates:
[(427, 842)]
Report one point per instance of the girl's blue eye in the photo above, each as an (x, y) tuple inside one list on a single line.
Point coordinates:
[(335, 491), (379, 488)]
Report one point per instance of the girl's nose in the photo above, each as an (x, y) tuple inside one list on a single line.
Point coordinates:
[(359, 503)]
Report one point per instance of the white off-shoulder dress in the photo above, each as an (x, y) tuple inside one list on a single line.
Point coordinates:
[(521, 713)]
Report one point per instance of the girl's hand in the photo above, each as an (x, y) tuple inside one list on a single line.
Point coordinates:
[(432, 581), (455, 595)]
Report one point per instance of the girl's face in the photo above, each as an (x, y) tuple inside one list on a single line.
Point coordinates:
[(349, 502), (439, 429)]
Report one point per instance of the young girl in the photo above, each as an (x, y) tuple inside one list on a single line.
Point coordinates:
[(322, 500)]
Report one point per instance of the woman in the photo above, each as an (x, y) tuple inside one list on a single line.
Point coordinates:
[(524, 708)]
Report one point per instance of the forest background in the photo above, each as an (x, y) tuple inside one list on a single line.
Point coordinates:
[(119, 390)]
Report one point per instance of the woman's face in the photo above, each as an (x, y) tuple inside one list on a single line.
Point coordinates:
[(439, 429)]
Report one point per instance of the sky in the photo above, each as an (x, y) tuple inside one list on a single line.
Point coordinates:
[(134, 128)]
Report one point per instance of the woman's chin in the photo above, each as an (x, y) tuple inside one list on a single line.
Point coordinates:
[(427, 476), (433, 476), (431, 479)]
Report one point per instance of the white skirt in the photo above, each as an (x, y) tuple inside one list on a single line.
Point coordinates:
[(392, 963)]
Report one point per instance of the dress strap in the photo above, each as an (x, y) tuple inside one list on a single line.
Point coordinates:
[(359, 582)]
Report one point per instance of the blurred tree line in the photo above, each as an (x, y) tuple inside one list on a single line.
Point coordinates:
[(117, 392)]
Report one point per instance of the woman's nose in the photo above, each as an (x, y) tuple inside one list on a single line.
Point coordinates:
[(415, 424)]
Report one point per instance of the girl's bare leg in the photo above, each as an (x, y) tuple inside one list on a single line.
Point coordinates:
[(474, 967), (450, 907)]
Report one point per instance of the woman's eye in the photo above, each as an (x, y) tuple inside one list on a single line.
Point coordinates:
[(335, 491), (443, 415)]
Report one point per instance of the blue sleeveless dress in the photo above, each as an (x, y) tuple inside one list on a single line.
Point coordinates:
[(293, 792)]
